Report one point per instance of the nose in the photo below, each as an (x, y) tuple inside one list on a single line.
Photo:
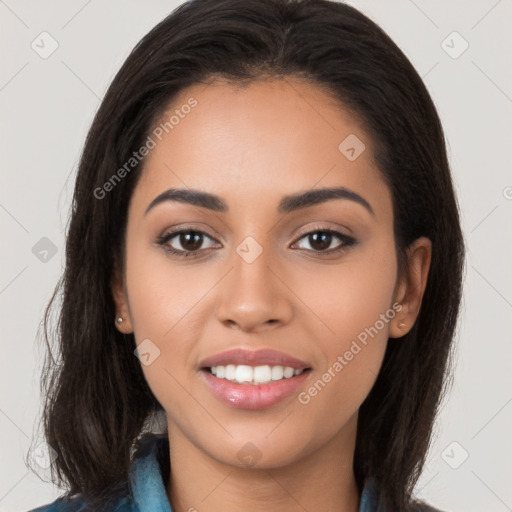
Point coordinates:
[(253, 296)]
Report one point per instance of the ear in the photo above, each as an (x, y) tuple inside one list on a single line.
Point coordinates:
[(411, 286), (120, 297)]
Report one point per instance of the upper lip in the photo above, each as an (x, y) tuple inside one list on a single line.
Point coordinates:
[(269, 357)]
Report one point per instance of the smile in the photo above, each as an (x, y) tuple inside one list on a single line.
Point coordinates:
[(250, 393), (245, 374)]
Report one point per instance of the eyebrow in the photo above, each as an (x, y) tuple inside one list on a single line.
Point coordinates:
[(288, 203)]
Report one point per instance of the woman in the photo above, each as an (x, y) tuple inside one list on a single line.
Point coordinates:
[(265, 255)]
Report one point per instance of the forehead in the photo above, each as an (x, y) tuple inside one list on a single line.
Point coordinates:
[(263, 140)]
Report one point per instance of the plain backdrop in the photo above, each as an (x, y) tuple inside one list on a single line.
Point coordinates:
[(47, 104)]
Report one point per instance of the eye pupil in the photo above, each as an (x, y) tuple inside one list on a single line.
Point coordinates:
[(187, 244), (322, 244)]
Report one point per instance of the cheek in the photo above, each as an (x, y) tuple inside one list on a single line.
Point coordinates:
[(161, 292), (354, 304), (164, 298), (351, 297)]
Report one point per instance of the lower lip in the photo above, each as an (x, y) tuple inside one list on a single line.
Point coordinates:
[(249, 396)]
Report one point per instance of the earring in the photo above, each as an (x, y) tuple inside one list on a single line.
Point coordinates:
[(401, 326), (120, 319)]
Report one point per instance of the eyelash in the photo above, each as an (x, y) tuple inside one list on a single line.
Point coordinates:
[(163, 240)]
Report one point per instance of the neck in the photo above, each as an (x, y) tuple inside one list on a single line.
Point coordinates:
[(323, 480)]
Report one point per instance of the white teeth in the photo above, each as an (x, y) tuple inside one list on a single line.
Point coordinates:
[(230, 372), (261, 375), (244, 374), (277, 372), (288, 372)]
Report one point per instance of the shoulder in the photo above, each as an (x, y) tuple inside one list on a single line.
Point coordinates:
[(419, 506), (370, 501), (78, 504), (150, 467)]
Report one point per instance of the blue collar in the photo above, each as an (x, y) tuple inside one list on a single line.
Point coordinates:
[(148, 478)]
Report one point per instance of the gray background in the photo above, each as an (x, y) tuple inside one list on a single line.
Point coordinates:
[(47, 104)]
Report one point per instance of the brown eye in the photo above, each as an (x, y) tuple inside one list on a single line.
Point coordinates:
[(185, 242), (190, 240), (322, 239)]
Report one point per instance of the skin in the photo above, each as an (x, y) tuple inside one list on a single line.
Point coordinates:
[(251, 146)]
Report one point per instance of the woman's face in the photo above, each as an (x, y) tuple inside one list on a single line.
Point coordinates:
[(261, 276)]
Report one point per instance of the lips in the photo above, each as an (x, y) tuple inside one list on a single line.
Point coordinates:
[(239, 356), (262, 396), (254, 395)]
